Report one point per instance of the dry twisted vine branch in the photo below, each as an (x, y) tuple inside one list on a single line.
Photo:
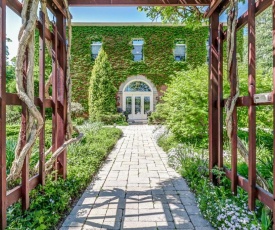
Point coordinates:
[(50, 162), (26, 93), (231, 102), (34, 119)]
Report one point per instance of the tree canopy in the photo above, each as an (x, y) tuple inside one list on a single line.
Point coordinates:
[(176, 14)]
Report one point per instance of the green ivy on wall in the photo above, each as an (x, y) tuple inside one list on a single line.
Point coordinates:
[(158, 64)]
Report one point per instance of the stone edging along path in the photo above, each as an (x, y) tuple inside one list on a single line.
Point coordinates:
[(136, 189)]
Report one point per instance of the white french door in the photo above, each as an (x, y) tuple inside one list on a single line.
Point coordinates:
[(137, 105)]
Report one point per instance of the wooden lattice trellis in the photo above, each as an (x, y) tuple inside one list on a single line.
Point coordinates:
[(58, 101), (217, 103)]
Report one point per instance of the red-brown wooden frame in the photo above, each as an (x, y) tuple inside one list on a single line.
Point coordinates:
[(217, 102), (57, 103)]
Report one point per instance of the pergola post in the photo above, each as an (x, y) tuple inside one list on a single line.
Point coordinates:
[(233, 90), (213, 94), (42, 174), (251, 109), (61, 94), (3, 183), (55, 126), (220, 96)]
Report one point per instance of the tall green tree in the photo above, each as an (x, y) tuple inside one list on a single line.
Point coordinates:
[(102, 91)]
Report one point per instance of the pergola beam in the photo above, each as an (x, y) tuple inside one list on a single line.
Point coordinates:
[(15, 6), (213, 6), (139, 2), (260, 6)]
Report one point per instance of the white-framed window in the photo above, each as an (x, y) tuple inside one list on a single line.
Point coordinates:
[(180, 51), (95, 48), (138, 49)]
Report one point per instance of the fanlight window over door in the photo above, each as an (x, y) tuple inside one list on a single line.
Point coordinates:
[(137, 86)]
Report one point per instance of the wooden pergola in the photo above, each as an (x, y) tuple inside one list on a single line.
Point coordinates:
[(58, 101)]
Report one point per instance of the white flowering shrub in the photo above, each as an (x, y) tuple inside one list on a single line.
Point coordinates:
[(76, 109), (178, 155), (91, 127), (160, 131)]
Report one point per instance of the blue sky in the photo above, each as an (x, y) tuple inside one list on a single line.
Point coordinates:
[(84, 14), (108, 14)]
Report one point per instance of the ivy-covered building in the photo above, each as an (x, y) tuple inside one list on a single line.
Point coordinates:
[(144, 56)]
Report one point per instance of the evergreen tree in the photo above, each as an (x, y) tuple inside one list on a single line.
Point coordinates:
[(102, 90)]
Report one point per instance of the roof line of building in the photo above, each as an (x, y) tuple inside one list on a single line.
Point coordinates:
[(124, 24)]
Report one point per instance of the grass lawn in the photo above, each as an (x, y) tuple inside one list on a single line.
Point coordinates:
[(49, 204)]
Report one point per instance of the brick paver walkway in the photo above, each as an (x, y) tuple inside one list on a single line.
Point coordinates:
[(136, 189)]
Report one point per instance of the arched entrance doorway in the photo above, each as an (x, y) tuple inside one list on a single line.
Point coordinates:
[(138, 96), (138, 100)]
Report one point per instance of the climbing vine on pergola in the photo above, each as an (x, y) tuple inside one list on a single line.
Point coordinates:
[(25, 90), (52, 39), (255, 185)]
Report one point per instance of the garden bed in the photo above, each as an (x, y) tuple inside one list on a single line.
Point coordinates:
[(217, 203), (49, 204)]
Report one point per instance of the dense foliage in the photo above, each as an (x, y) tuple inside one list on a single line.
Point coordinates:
[(184, 107), (184, 111), (51, 202), (113, 119), (101, 91)]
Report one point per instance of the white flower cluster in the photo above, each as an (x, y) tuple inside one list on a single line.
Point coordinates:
[(233, 216)]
